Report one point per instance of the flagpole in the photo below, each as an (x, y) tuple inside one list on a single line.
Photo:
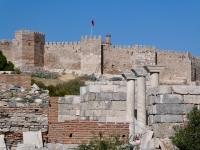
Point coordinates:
[(91, 31)]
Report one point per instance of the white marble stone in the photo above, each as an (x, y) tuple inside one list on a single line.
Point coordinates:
[(2, 142), (33, 138)]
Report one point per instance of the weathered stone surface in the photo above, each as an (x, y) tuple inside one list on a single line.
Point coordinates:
[(156, 142), (119, 96), (118, 105), (63, 118), (115, 119), (2, 142), (25, 146), (33, 138), (160, 90), (91, 96), (175, 109), (167, 98), (106, 96), (150, 144), (146, 137), (167, 118), (166, 144), (163, 130), (194, 99), (186, 89), (108, 88), (93, 88), (62, 107), (2, 103)]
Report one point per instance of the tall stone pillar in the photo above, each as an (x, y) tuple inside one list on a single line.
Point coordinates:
[(141, 99), (154, 71), (130, 101)]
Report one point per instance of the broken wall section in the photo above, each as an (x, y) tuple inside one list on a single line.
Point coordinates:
[(22, 110), (168, 106)]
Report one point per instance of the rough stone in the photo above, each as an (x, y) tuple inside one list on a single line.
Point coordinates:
[(174, 109), (119, 96), (163, 130), (146, 137), (106, 96), (186, 89), (118, 105), (194, 99), (160, 90), (108, 88), (168, 118), (167, 98), (93, 88), (166, 144)]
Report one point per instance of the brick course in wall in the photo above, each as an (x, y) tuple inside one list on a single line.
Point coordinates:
[(23, 80), (76, 131)]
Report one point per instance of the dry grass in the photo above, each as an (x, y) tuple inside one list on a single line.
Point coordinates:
[(60, 79)]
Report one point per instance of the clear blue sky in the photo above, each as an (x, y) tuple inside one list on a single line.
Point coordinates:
[(166, 24)]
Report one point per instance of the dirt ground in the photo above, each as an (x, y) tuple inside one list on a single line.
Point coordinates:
[(60, 79)]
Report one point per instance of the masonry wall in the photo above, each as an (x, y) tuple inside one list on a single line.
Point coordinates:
[(178, 67), (23, 80), (28, 47), (22, 110), (78, 57), (196, 67), (120, 59), (78, 131), (168, 106), (6, 48)]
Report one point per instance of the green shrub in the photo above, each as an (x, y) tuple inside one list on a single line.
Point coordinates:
[(71, 87), (46, 75), (17, 70), (188, 137), (4, 65), (112, 142)]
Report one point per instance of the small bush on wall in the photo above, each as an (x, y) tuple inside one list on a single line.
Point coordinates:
[(188, 137), (4, 65), (71, 87)]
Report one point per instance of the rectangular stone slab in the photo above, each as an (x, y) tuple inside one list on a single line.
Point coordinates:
[(186, 89), (163, 130), (195, 99), (174, 109), (166, 98), (168, 118)]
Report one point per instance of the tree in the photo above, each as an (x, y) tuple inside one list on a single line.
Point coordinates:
[(188, 137), (4, 65)]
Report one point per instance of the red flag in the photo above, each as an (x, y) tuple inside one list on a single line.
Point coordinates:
[(92, 22)]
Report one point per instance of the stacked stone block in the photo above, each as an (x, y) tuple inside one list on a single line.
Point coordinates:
[(22, 110), (104, 101), (169, 105)]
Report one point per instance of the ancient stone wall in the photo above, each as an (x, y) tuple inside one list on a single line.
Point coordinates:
[(120, 59), (6, 47), (22, 110), (169, 105), (23, 80), (196, 67), (178, 67), (78, 131), (78, 57), (28, 49)]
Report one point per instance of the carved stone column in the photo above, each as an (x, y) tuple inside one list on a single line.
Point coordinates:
[(141, 99), (154, 71), (130, 101)]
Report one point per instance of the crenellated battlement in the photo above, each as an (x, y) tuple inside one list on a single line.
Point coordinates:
[(173, 54), (28, 32), (4, 41), (75, 43), (90, 38), (135, 48)]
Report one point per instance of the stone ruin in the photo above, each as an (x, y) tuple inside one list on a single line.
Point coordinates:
[(136, 105), (91, 55)]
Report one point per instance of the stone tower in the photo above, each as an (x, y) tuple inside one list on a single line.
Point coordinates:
[(28, 49)]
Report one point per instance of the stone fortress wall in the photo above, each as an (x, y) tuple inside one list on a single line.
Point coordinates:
[(91, 55)]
